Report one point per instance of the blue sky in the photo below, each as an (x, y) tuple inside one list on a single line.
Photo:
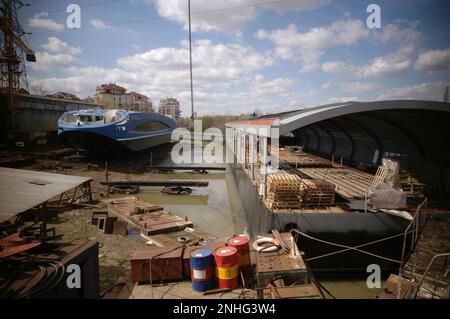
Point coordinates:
[(248, 55)]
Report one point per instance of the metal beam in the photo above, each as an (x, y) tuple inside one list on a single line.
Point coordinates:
[(333, 140)]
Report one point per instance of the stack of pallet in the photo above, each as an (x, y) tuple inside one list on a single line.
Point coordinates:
[(288, 191), (317, 193), (283, 191)]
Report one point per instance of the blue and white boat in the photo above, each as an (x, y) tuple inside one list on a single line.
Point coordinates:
[(112, 129)]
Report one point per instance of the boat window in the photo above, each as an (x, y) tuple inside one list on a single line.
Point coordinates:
[(150, 126), (70, 118), (84, 118)]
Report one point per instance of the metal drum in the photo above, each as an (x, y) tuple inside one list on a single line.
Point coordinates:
[(227, 267), (202, 269), (241, 243)]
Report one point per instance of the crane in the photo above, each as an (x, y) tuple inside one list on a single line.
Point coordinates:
[(12, 66)]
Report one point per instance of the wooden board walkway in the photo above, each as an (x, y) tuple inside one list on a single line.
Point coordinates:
[(301, 159), (350, 183)]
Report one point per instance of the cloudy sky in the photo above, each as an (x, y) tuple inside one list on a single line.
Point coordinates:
[(267, 55)]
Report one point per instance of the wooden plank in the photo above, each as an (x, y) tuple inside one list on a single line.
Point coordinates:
[(351, 184)]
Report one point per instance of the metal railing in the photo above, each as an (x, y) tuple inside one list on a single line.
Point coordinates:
[(414, 228), (435, 257)]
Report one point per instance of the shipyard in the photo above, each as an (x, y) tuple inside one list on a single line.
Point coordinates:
[(213, 194)]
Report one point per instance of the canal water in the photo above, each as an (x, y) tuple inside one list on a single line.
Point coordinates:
[(217, 210)]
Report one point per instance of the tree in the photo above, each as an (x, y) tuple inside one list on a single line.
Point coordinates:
[(38, 89)]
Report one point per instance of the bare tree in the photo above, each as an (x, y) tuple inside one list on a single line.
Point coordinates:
[(38, 89)]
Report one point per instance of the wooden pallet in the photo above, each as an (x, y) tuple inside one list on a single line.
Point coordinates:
[(380, 176), (290, 191)]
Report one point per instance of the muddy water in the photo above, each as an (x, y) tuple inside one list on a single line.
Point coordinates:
[(349, 288), (213, 209)]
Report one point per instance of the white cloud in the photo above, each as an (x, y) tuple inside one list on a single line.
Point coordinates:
[(343, 99), (307, 47), (99, 24), (354, 88), (224, 77), (52, 62), (231, 15), (384, 66), (42, 21), (393, 64), (433, 61), (433, 91), (276, 87), (214, 64), (406, 39), (55, 45)]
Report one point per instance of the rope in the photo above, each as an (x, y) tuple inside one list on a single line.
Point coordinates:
[(347, 248)]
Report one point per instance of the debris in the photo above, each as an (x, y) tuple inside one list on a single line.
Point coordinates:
[(120, 228), (106, 224), (124, 190), (176, 190), (216, 291)]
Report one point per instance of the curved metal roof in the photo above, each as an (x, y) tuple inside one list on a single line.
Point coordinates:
[(366, 131), (290, 121)]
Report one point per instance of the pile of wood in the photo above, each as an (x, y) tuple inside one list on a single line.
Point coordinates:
[(411, 185), (301, 159), (290, 191)]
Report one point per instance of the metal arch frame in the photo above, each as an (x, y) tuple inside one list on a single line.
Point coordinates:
[(370, 133), (297, 133), (333, 140), (348, 135), (319, 140), (399, 127)]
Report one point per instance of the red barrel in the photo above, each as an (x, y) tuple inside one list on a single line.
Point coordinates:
[(241, 243), (227, 267)]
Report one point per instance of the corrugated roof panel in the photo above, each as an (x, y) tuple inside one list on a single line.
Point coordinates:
[(21, 190)]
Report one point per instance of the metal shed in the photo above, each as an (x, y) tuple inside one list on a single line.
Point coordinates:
[(21, 190)]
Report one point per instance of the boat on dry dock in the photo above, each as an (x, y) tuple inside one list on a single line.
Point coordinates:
[(113, 129)]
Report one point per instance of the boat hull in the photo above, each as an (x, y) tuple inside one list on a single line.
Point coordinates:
[(100, 143), (103, 130)]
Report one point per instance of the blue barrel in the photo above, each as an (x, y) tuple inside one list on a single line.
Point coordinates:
[(202, 269)]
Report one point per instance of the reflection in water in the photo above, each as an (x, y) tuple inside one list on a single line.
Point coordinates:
[(349, 288), (211, 208)]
